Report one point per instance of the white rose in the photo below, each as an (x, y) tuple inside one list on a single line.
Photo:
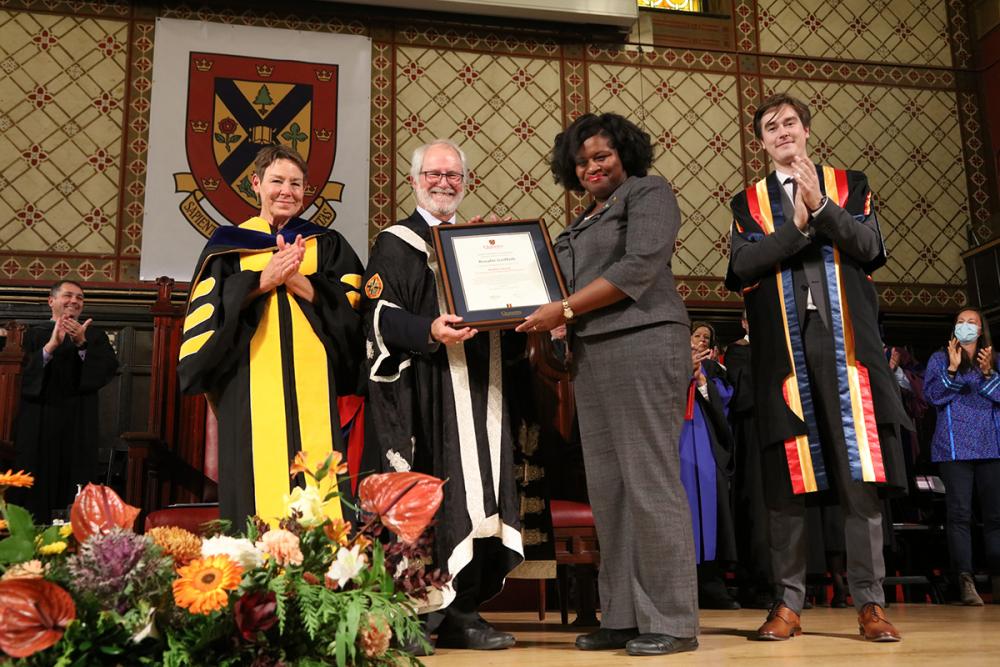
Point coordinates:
[(240, 550)]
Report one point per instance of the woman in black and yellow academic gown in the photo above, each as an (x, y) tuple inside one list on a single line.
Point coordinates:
[(272, 337)]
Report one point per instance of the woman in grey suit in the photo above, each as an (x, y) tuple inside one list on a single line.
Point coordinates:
[(632, 360)]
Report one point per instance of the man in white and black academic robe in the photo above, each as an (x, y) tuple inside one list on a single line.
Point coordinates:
[(436, 404)]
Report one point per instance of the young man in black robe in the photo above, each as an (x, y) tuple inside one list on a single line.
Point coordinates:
[(436, 403), (272, 336), (56, 436), (804, 241)]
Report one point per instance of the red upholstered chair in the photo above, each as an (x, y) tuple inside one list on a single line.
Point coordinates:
[(576, 547), (191, 516)]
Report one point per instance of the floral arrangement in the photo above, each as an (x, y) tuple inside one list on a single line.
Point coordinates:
[(310, 591)]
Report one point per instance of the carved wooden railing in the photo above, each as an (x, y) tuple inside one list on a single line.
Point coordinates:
[(167, 462)]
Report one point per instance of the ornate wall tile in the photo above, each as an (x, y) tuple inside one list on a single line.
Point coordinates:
[(63, 102), (909, 143), (885, 80), (691, 117), (913, 32), (503, 110)]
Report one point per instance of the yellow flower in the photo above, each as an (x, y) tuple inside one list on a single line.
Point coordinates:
[(309, 505), (201, 587), (3, 524), (52, 549), (182, 545), (11, 478), (65, 530)]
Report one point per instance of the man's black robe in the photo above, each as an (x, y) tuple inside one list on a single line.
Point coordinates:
[(776, 305), (272, 368), (56, 435), (749, 506), (439, 409)]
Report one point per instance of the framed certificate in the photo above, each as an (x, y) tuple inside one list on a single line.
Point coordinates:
[(495, 274)]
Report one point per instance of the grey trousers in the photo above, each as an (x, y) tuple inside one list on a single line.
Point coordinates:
[(859, 501), (630, 396)]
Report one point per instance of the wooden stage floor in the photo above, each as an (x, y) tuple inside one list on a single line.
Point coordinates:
[(932, 634)]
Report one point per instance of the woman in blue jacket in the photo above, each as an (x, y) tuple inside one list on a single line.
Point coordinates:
[(962, 383)]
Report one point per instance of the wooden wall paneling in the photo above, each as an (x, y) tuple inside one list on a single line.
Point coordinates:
[(11, 357)]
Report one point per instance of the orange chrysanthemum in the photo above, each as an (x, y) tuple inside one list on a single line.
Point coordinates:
[(182, 545), (19, 479), (201, 586)]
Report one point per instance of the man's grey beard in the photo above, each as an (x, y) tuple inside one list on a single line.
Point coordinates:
[(426, 202)]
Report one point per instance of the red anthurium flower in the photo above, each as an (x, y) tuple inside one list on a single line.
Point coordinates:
[(404, 501), (255, 612), (98, 509), (34, 614)]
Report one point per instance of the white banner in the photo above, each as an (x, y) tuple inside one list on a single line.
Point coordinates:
[(221, 93)]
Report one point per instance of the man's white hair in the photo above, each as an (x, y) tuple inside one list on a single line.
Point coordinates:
[(417, 161)]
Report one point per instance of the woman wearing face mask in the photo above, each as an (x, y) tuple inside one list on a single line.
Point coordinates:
[(962, 383)]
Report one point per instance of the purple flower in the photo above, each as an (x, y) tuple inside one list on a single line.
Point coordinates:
[(116, 566)]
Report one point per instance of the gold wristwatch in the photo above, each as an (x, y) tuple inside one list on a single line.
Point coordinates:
[(567, 311)]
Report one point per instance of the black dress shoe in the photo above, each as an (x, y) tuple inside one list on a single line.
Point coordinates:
[(606, 639), (657, 644), (715, 600), (480, 636), (414, 646)]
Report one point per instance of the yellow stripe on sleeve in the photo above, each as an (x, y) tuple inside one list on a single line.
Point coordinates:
[(197, 316), (194, 343), (202, 288)]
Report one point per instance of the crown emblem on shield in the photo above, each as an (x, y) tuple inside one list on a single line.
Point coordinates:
[(237, 105)]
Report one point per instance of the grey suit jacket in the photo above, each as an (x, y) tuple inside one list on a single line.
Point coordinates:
[(629, 242)]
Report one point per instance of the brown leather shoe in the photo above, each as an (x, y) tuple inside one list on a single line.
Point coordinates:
[(782, 623), (875, 627)]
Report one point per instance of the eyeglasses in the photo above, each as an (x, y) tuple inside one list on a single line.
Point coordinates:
[(453, 176)]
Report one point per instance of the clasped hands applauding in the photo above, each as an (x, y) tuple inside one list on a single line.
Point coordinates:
[(808, 196), (66, 325), (984, 359), (283, 269)]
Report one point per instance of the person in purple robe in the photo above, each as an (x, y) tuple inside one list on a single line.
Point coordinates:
[(706, 447)]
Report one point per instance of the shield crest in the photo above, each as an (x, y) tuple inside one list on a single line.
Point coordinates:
[(239, 104)]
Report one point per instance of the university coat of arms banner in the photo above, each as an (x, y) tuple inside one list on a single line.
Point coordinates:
[(220, 94)]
